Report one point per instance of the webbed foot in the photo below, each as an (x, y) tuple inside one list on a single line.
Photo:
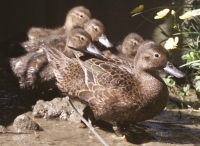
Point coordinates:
[(118, 131)]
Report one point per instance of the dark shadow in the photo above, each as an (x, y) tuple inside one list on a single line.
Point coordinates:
[(173, 127), (14, 100), (11, 47), (19, 16)]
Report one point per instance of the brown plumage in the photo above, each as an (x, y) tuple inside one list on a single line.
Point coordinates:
[(115, 93)]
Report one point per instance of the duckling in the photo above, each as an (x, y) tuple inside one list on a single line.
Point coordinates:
[(132, 40), (76, 17), (127, 49), (96, 30), (94, 27), (115, 93), (33, 69)]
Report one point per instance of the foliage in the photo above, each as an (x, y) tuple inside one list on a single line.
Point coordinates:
[(184, 21), (169, 81)]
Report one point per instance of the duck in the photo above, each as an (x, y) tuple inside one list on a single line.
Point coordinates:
[(127, 49), (33, 69), (115, 93), (76, 17), (96, 30)]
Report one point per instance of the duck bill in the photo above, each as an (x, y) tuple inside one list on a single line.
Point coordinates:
[(103, 40), (93, 49), (171, 69)]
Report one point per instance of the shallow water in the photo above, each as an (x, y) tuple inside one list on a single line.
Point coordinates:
[(159, 131)]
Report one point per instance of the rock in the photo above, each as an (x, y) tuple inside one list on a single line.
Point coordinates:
[(3, 129), (25, 124), (58, 108)]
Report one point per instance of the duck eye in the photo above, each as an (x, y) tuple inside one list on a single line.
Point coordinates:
[(135, 43), (156, 55), (95, 28), (81, 15), (82, 38)]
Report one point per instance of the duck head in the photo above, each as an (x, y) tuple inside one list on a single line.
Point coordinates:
[(81, 40), (77, 17), (96, 30), (130, 44), (155, 57), (150, 57)]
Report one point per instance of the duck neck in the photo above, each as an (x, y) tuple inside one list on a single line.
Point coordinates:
[(68, 52), (152, 86), (69, 25)]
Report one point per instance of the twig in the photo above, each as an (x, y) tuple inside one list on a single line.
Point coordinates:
[(191, 109), (88, 124)]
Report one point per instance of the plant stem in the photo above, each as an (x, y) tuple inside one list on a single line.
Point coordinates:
[(88, 124)]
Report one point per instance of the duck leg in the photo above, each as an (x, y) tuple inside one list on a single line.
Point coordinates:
[(117, 129), (88, 124)]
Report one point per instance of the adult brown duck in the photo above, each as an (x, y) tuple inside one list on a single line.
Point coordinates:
[(76, 17), (115, 93)]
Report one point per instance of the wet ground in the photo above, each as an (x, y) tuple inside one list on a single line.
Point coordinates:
[(174, 126)]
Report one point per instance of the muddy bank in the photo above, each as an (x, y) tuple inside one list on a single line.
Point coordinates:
[(171, 127)]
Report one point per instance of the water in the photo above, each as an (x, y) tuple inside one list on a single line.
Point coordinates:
[(153, 132)]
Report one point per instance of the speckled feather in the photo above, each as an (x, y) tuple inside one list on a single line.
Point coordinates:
[(66, 71)]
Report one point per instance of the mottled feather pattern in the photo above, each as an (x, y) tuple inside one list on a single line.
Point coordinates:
[(107, 74), (132, 96), (114, 84), (66, 71), (121, 97)]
